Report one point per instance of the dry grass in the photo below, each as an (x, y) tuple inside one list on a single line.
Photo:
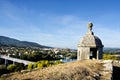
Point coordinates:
[(79, 70)]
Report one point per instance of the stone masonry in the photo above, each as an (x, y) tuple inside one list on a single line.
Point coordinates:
[(90, 46)]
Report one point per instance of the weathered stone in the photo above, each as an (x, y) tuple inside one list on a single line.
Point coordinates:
[(90, 46), (107, 70)]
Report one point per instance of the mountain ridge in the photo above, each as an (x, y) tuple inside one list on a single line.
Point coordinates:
[(11, 42)]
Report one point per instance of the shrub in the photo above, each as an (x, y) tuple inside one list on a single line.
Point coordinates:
[(35, 65), (1, 61), (51, 63), (39, 65), (30, 66), (58, 62), (3, 69), (11, 68), (19, 66), (109, 57), (43, 63)]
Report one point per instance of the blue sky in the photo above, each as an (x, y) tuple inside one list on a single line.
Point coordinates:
[(60, 23)]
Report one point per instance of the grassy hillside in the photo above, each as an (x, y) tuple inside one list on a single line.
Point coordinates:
[(79, 70)]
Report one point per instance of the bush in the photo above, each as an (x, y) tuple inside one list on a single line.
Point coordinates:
[(39, 66), (30, 66), (35, 65), (3, 69), (58, 62), (43, 63), (19, 66), (11, 68), (51, 63), (1, 61), (109, 57)]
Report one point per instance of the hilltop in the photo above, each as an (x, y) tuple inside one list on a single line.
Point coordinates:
[(78, 70), (11, 42)]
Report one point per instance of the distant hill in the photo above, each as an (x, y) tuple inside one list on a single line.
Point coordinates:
[(111, 50), (6, 41)]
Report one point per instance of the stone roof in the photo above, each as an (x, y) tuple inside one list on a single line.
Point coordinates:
[(89, 40)]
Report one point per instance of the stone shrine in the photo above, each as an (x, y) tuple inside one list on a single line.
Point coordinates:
[(90, 46)]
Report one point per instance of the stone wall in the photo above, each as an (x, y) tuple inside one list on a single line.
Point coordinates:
[(116, 70), (107, 70), (116, 63), (111, 70)]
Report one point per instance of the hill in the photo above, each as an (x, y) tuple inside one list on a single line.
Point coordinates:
[(10, 42), (78, 70), (111, 50)]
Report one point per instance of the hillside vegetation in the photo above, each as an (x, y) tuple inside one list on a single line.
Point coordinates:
[(79, 70), (10, 42)]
